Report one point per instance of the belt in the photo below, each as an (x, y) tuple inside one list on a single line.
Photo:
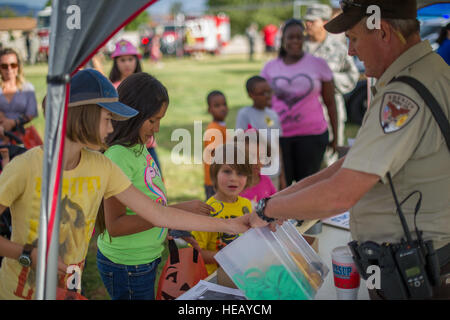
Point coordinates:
[(443, 255)]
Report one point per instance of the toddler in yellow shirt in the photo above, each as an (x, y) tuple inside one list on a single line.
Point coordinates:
[(229, 179)]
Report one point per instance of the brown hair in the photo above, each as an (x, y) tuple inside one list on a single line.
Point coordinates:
[(147, 95), (20, 80), (83, 124), (248, 138), (219, 161)]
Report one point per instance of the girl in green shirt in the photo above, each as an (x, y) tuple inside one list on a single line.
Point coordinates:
[(130, 248)]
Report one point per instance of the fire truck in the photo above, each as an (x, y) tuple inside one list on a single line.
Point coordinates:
[(43, 31), (207, 33)]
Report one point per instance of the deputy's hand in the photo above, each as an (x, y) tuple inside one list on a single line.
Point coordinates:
[(196, 206)]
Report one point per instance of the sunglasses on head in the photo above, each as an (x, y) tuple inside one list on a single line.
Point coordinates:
[(5, 66)]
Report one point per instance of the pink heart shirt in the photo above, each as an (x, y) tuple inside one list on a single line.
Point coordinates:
[(297, 90)]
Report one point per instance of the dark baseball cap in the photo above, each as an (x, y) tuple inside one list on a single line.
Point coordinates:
[(89, 86), (355, 10)]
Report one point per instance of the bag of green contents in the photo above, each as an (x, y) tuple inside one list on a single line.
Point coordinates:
[(268, 265)]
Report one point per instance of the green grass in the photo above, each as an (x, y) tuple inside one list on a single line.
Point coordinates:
[(188, 81)]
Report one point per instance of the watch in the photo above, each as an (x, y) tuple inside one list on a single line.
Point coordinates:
[(25, 257), (260, 207)]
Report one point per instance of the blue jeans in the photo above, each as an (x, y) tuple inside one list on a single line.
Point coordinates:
[(123, 282)]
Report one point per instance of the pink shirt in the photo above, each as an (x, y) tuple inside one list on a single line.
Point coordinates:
[(263, 189), (297, 89)]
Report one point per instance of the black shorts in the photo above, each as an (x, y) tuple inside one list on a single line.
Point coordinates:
[(302, 155)]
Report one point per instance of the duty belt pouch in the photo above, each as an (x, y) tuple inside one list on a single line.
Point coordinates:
[(407, 270), (370, 253), (391, 279)]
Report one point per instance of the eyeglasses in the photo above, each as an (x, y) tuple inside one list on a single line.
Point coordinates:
[(345, 4), (5, 66)]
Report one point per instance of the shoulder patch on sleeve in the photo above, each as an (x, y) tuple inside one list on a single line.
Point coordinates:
[(397, 110)]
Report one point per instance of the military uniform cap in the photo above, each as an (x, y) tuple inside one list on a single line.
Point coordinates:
[(355, 10), (318, 11)]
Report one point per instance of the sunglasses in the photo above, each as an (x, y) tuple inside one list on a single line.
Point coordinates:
[(346, 4), (5, 66)]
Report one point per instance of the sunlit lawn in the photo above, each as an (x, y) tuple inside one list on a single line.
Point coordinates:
[(188, 82)]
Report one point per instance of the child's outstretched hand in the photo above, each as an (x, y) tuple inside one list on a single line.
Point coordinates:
[(238, 225), (195, 206), (62, 267), (257, 222)]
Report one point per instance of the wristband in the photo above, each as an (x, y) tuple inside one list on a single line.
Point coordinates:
[(260, 210)]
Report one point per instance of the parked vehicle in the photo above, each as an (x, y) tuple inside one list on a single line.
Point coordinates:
[(172, 39), (207, 33), (43, 31)]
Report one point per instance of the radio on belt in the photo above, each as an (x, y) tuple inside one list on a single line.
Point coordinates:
[(409, 269)]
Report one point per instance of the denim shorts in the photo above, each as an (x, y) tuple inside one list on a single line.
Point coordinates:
[(128, 282)]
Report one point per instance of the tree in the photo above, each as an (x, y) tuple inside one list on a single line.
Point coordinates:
[(261, 12), (7, 12), (176, 8), (142, 18)]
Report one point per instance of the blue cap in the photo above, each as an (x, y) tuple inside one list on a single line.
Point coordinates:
[(89, 86)]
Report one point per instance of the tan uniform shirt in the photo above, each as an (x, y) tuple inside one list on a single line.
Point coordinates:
[(399, 135)]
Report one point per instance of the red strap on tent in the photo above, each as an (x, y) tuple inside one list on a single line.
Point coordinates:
[(55, 197), (59, 173)]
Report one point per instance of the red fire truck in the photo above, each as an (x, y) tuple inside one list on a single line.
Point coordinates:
[(207, 33)]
